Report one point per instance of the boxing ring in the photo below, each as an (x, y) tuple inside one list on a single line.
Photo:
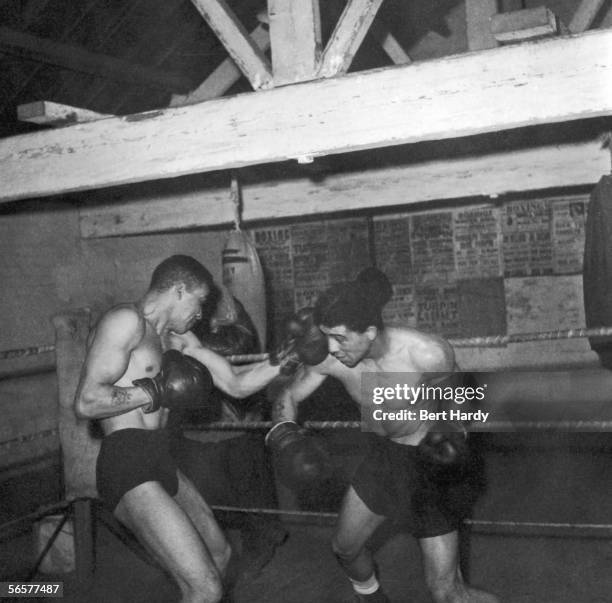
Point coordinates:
[(86, 511)]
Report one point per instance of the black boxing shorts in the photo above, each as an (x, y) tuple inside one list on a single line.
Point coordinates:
[(130, 457), (392, 482)]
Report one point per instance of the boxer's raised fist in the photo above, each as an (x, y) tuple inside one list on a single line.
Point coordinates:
[(182, 382), (304, 343), (301, 458)]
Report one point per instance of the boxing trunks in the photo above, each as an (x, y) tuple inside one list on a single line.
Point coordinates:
[(392, 482), (129, 457)]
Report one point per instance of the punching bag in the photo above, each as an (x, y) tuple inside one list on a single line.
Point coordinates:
[(242, 271), (597, 271)]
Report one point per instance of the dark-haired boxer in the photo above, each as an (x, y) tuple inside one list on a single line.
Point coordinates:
[(399, 478), (129, 383)]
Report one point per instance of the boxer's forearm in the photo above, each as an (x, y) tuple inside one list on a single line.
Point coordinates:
[(109, 401), (252, 378), (285, 407), (304, 382)]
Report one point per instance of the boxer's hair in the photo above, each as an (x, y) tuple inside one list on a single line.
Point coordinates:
[(181, 269), (349, 304), (357, 304)]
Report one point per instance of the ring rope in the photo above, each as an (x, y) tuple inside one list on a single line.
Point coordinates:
[(464, 342), (588, 425), (36, 515), (491, 426), (29, 437), (483, 525)]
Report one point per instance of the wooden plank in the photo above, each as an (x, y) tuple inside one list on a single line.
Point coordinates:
[(445, 98), (346, 38), (388, 42), (55, 114), (223, 77), (494, 174), (295, 36), (232, 34), (524, 25), (585, 15), (478, 15), (78, 59)]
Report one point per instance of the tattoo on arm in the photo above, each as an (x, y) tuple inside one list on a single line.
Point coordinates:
[(277, 408), (120, 397)]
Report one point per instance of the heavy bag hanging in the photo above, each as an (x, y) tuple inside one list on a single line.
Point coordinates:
[(242, 271)]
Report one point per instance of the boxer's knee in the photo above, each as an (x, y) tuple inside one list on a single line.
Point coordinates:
[(444, 589), (222, 557), (207, 589), (345, 549)]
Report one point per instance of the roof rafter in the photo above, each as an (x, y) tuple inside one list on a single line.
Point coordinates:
[(240, 46), (348, 35), (444, 98)]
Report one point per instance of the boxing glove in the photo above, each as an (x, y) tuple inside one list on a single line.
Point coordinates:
[(182, 382), (444, 451), (300, 457), (304, 343)]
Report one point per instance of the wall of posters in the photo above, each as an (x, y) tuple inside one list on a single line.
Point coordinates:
[(475, 270)]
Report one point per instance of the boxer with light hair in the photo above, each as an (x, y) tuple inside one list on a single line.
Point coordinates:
[(141, 362)]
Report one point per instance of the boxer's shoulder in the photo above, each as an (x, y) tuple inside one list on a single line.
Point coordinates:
[(423, 351)]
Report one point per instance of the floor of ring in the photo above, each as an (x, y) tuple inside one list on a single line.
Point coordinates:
[(548, 480)]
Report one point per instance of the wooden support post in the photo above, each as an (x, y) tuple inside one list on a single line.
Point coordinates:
[(223, 77), (79, 448), (240, 46), (478, 15), (585, 15), (84, 545), (295, 36), (346, 38)]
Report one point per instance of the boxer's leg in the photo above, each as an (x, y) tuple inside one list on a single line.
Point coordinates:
[(202, 517), (355, 526), (442, 573), (166, 530)]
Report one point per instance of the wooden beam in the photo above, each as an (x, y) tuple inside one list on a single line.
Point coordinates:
[(478, 15), (585, 15), (346, 38), (489, 175), (223, 77), (524, 25), (76, 58), (55, 114), (388, 42), (472, 93), (295, 36), (232, 34)]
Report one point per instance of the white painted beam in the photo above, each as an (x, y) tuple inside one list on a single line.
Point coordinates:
[(495, 174), (223, 77), (346, 38), (232, 34), (492, 90), (295, 37)]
